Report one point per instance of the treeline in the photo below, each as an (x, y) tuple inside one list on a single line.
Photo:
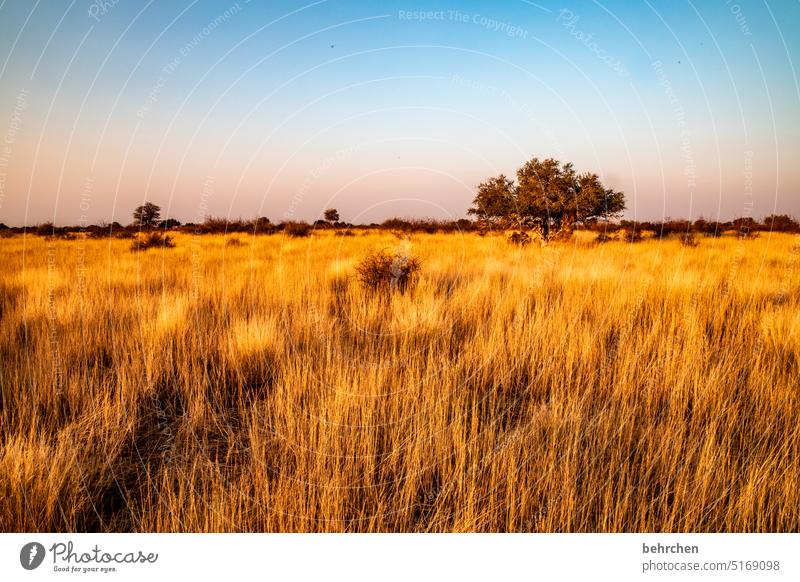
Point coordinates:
[(263, 225), (742, 226)]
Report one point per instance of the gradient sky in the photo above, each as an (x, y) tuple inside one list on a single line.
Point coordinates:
[(284, 109)]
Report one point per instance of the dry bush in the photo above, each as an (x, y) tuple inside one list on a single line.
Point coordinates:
[(603, 237), (631, 235), (214, 225), (519, 238), (561, 235), (297, 229), (688, 239), (45, 229), (745, 234), (98, 232), (384, 272), (152, 240)]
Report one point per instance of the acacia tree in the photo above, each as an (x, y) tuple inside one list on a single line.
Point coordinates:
[(547, 195), (332, 215), (147, 215)]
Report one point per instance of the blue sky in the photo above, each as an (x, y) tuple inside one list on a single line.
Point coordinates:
[(391, 108)]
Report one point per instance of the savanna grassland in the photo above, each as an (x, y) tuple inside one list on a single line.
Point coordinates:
[(257, 386)]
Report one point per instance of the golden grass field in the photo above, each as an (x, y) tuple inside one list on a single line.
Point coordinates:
[(574, 387)]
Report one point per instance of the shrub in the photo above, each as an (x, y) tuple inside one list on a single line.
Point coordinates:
[(465, 224), (562, 234), (98, 232), (212, 225), (781, 223), (632, 235), (45, 229), (670, 226), (344, 233), (603, 237), (745, 224), (605, 226), (747, 234), (708, 228), (297, 229), (428, 225), (152, 240), (384, 272), (519, 238), (262, 225), (688, 239)]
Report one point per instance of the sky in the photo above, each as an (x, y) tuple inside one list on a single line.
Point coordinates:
[(392, 108)]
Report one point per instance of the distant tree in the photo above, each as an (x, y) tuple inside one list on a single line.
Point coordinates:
[(45, 229), (332, 215), (169, 223), (263, 225), (781, 223), (146, 215), (745, 224), (548, 195), (708, 228)]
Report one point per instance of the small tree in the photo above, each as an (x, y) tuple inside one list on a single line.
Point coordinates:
[(548, 195), (332, 215), (147, 215)]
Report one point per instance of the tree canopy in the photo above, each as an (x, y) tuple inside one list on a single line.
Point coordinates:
[(147, 215), (332, 215), (548, 195)]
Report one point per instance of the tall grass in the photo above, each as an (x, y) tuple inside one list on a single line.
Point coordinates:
[(573, 387)]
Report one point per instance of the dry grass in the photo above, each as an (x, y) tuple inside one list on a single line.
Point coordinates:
[(573, 387)]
